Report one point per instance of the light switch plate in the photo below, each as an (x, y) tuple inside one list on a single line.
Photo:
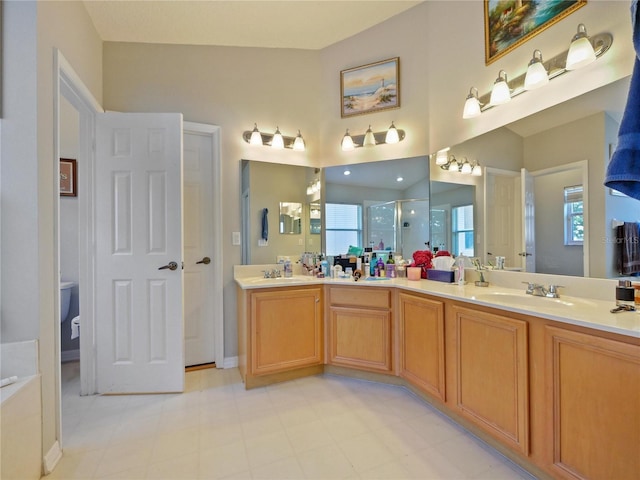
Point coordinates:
[(235, 238), (262, 242)]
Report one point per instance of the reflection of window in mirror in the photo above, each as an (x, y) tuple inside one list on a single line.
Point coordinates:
[(440, 227), (573, 216), (343, 227), (462, 230), (315, 220)]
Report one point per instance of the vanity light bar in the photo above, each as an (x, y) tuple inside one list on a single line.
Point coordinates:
[(555, 67), (256, 137)]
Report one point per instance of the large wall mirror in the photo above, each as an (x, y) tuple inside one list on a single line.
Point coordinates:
[(544, 172), (383, 205), (539, 159)]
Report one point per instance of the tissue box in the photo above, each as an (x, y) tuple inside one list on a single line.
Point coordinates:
[(446, 276)]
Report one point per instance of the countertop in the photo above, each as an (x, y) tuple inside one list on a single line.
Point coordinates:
[(584, 312)]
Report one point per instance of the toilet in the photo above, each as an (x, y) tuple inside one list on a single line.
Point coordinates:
[(65, 299)]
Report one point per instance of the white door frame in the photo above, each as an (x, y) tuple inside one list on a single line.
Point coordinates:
[(68, 84), (583, 167), (216, 210)]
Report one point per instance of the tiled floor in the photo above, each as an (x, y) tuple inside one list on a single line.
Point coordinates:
[(323, 427)]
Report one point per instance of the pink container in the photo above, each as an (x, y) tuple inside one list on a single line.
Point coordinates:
[(413, 273)]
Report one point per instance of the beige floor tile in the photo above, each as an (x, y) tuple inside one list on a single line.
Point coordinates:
[(286, 469), (175, 444), (326, 463), (365, 451), (309, 436), (124, 456), (268, 448), (223, 461), (183, 468)]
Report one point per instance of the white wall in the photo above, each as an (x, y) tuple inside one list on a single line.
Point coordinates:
[(31, 32)]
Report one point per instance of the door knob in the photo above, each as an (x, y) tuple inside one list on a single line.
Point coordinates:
[(170, 266), (524, 254), (205, 260)]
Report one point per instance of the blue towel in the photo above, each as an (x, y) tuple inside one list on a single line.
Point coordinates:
[(265, 224), (623, 172)]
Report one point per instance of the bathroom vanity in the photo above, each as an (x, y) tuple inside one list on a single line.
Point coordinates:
[(554, 384)]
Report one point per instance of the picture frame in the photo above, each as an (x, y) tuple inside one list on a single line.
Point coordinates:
[(507, 25), (68, 178), (370, 88)]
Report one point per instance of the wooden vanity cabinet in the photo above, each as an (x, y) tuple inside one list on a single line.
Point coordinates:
[(359, 328), (593, 406), (489, 372), (421, 343), (282, 331)]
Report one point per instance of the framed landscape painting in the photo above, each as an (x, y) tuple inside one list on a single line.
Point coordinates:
[(370, 88), (510, 23)]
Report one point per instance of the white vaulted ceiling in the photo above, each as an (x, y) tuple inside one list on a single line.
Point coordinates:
[(304, 24)]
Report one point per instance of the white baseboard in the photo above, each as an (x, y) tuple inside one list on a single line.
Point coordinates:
[(69, 355), (52, 458), (230, 362)]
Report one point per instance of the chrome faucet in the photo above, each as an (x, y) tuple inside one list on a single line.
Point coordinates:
[(275, 273), (538, 290)]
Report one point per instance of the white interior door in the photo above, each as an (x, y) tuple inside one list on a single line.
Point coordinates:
[(139, 317), (199, 260), (528, 252)]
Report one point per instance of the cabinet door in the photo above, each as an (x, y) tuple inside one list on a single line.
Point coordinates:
[(422, 343), (492, 374), (286, 330), (593, 401), (360, 338)]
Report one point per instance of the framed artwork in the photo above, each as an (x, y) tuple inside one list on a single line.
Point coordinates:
[(68, 178), (510, 23), (370, 88)]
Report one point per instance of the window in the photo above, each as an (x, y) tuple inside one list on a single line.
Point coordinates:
[(573, 216), (343, 227), (462, 230)]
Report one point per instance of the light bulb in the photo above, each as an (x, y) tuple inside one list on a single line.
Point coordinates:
[(298, 143), (466, 167), (536, 76), (369, 138), (472, 104), (580, 51), (347, 142), (278, 141), (256, 138), (500, 93), (442, 156), (392, 135), (453, 166), (476, 171)]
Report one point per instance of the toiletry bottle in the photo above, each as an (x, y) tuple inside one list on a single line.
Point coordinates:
[(373, 265), (461, 270), (380, 265), (324, 267), (391, 266), (625, 295), (288, 272)]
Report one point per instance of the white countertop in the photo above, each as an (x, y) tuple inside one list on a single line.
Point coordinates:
[(585, 312)]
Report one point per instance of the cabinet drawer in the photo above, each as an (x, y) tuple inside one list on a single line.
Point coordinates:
[(360, 297)]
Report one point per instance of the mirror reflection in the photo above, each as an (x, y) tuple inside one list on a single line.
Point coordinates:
[(382, 205), (291, 218), (531, 169)]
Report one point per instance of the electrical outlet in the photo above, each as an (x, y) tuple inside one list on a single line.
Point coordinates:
[(300, 241), (262, 242), (235, 238)]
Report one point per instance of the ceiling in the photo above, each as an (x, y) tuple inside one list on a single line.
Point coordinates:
[(302, 24), (381, 174)]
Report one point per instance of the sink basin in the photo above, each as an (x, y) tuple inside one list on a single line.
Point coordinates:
[(294, 279), (524, 300)]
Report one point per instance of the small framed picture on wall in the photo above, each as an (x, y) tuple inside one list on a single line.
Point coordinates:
[(68, 178)]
